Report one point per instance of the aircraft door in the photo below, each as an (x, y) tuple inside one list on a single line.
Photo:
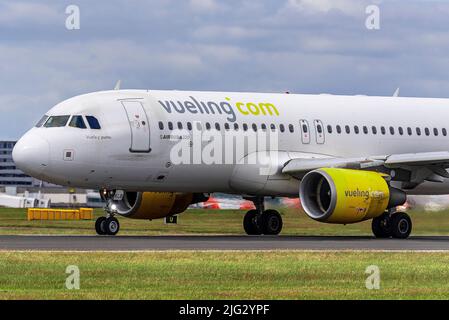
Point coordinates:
[(139, 126), (305, 131), (319, 131)]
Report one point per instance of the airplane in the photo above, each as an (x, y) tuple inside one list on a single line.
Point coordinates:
[(348, 158)]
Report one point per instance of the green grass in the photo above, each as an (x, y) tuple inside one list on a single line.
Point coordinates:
[(13, 221), (221, 275), (224, 275)]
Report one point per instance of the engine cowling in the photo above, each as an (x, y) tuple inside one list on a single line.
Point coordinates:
[(345, 196), (152, 205)]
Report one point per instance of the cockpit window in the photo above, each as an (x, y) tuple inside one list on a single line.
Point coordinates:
[(41, 121), (77, 122), (93, 122), (56, 121)]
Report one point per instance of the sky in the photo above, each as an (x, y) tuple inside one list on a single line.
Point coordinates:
[(301, 46)]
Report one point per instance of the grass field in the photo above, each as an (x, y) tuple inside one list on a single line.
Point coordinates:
[(13, 221), (224, 275), (221, 275)]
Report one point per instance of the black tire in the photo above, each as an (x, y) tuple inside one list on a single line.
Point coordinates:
[(251, 223), (99, 226), (271, 222), (111, 226), (381, 227), (401, 225)]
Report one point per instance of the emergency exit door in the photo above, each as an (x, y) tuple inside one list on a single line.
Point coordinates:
[(139, 126)]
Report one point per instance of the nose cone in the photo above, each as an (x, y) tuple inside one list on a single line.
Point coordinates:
[(31, 154)]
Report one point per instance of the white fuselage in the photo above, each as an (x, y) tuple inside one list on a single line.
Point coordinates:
[(132, 151)]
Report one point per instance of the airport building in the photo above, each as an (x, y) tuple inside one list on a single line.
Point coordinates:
[(9, 174)]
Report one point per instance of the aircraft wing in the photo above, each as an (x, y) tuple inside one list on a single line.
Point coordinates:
[(423, 166)]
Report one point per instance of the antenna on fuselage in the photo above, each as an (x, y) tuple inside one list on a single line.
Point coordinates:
[(118, 85), (396, 93)]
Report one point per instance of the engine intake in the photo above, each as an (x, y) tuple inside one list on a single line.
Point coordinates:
[(347, 196)]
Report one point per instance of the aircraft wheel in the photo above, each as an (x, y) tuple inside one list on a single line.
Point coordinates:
[(99, 226), (401, 225), (271, 222), (381, 226), (251, 223), (111, 226)]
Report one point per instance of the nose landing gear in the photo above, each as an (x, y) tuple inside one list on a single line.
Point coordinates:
[(108, 225), (261, 221)]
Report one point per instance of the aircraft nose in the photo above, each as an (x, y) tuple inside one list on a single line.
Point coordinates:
[(31, 154)]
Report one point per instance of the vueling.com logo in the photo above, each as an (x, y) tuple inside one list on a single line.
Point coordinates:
[(227, 107)]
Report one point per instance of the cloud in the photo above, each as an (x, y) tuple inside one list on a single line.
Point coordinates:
[(14, 13), (347, 7), (306, 46), (205, 5)]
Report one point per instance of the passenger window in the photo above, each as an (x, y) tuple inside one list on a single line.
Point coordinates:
[(56, 121), (356, 129), (77, 122), (329, 129), (365, 129), (427, 131), (199, 127), (41, 121), (338, 129), (227, 126), (444, 131), (392, 131), (281, 128), (409, 131), (245, 127), (418, 131), (347, 129), (254, 127), (236, 126), (318, 128), (291, 128), (264, 127), (304, 128), (382, 130), (161, 125), (273, 127), (374, 129), (93, 122), (207, 126), (435, 132), (217, 126), (179, 125), (401, 131), (189, 126), (170, 125)]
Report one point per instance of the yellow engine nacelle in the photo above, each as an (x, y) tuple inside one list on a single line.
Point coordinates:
[(347, 196), (152, 205)]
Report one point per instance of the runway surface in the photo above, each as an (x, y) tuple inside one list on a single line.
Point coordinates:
[(142, 243)]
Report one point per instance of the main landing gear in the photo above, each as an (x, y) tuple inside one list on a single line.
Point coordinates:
[(392, 225), (261, 221)]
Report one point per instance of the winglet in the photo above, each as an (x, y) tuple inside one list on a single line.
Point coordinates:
[(396, 93), (118, 85)]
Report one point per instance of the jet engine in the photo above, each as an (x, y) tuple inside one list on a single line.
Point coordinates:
[(345, 196), (152, 205)]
